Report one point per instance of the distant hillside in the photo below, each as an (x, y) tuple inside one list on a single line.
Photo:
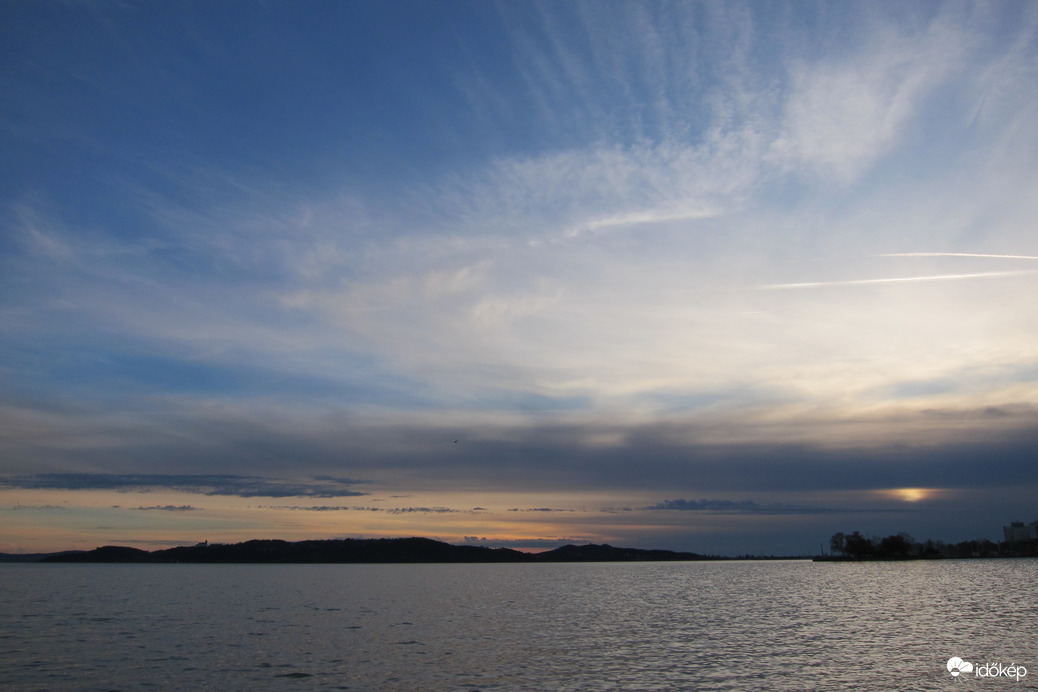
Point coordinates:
[(34, 557), (108, 553), (342, 551), (374, 550)]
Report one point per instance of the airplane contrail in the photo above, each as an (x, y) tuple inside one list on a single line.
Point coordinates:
[(900, 279), (956, 254), (605, 223)]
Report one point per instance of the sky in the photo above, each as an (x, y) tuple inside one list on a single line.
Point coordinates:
[(717, 277)]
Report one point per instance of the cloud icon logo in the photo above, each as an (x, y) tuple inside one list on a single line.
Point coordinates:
[(956, 665)]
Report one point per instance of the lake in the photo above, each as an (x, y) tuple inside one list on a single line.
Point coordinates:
[(602, 626)]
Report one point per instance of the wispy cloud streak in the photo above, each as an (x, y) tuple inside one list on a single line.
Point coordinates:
[(957, 254), (167, 508), (900, 279), (387, 510)]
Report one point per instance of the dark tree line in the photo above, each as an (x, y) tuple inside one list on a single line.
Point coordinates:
[(902, 545)]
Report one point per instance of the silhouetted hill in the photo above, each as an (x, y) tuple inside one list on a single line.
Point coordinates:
[(34, 557), (374, 550), (108, 553), (344, 551)]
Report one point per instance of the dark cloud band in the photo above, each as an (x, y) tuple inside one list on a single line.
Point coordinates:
[(202, 484), (740, 507)]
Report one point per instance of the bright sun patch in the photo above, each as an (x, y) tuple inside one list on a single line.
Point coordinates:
[(910, 494)]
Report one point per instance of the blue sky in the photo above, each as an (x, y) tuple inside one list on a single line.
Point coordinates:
[(709, 276)]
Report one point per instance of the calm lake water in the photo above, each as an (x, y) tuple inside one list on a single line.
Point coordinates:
[(612, 626)]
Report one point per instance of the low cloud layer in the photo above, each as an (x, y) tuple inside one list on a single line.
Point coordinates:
[(167, 508), (521, 544), (240, 486), (742, 507), (387, 510)]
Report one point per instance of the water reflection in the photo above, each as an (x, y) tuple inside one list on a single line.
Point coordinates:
[(704, 626)]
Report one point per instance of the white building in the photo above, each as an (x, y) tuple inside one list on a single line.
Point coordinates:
[(1018, 532)]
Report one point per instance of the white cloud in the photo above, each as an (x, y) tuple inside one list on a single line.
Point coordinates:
[(620, 269), (843, 115)]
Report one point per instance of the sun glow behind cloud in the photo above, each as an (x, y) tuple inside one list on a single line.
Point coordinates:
[(911, 494)]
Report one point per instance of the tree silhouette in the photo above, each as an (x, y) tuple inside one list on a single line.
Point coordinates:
[(858, 546), (895, 546)]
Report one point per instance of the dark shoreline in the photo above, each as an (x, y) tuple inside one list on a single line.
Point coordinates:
[(417, 551), (347, 551), (916, 558)]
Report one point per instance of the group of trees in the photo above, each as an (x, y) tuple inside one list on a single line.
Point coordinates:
[(858, 546), (902, 545)]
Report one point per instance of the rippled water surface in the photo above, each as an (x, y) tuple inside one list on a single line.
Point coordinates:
[(647, 626)]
